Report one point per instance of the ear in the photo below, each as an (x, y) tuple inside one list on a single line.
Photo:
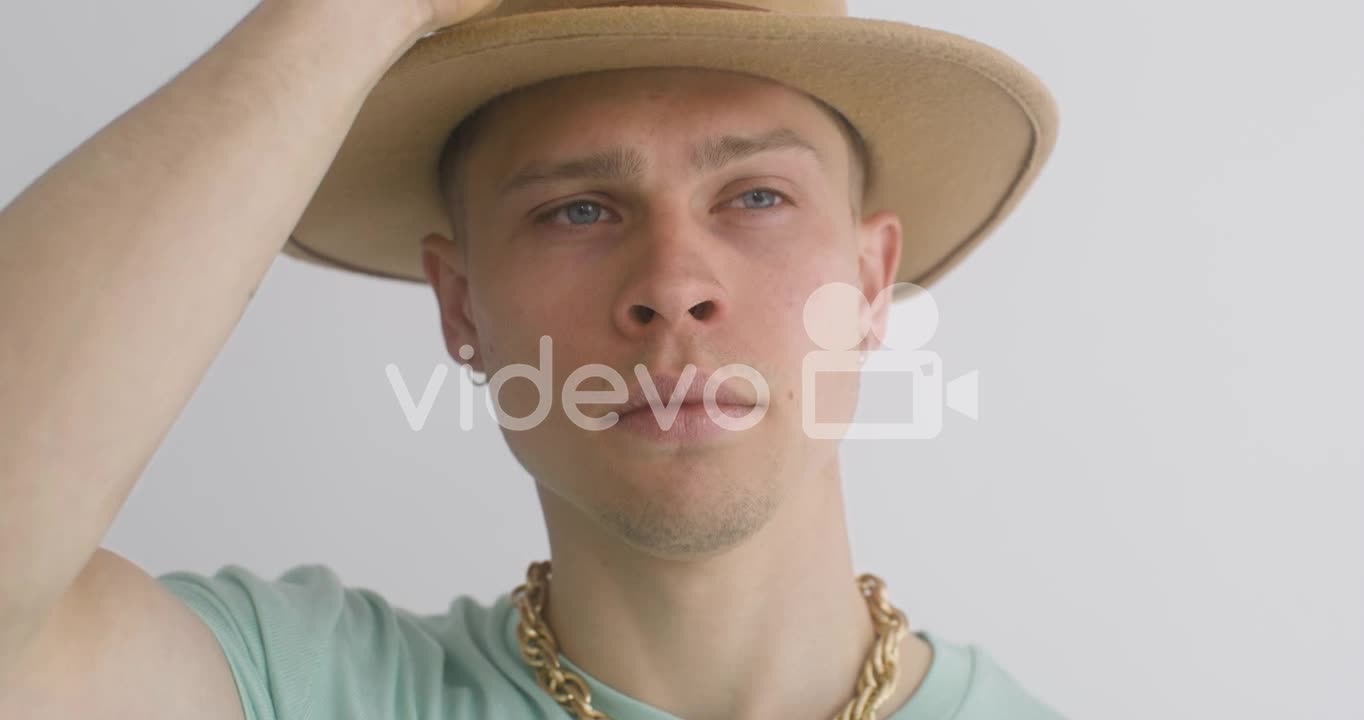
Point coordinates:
[(444, 265), (880, 238)]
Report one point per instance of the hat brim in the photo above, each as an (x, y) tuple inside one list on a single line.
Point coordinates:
[(956, 130)]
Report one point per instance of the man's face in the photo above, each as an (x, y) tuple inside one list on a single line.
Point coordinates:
[(667, 261)]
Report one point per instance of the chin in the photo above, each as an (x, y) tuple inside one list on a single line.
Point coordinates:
[(664, 506), (707, 519)]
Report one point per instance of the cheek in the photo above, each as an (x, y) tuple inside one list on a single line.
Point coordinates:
[(547, 331), (802, 280), (826, 251), (526, 302)]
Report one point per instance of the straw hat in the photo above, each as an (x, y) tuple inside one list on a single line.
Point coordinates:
[(955, 130)]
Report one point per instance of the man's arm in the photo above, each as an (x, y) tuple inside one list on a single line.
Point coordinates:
[(123, 270)]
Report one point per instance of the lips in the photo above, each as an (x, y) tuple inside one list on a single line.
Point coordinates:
[(665, 384)]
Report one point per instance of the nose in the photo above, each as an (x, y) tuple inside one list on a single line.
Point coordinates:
[(672, 287)]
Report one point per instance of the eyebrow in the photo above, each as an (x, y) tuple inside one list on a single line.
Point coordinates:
[(625, 163)]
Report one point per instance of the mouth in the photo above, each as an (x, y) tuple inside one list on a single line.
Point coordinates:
[(691, 406), (728, 408), (693, 387)]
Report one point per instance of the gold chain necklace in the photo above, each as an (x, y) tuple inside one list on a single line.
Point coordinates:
[(541, 651)]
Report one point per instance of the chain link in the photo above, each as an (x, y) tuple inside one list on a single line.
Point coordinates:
[(875, 684)]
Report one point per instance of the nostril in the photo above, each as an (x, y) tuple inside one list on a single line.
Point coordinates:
[(642, 313), (702, 310)]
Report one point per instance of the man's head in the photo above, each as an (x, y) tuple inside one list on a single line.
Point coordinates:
[(658, 217)]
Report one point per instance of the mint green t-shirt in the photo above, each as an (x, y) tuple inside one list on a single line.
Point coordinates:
[(305, 646)]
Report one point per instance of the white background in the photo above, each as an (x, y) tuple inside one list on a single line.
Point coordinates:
[(1160, 513)]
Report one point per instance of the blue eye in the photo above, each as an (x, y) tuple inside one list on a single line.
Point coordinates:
[(762, 194), (585, 211), (579, 213)]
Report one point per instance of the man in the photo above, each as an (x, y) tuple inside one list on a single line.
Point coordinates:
[(656, 221)]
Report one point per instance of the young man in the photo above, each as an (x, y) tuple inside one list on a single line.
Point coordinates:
[(645, 216)]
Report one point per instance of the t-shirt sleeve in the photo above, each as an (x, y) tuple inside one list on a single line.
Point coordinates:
[(305, 646), (995, 692)]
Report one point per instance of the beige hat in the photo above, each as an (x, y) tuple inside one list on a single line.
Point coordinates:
[(955, 130)]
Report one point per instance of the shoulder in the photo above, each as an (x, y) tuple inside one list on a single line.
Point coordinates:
[(305, 644), (995, 692), (966, 682)]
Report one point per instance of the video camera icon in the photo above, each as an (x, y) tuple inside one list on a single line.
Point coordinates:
[(825, 317)]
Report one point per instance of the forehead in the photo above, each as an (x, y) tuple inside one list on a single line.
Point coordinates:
[(639, 106)]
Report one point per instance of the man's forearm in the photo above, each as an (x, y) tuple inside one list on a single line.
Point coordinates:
[(125, 267)]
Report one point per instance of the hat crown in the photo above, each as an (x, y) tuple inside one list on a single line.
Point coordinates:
[(786, 7)]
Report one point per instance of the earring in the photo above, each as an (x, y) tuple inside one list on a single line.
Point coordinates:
[(466, 352)]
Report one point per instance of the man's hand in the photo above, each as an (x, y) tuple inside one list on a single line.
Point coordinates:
[(450, 12), (423, 16)]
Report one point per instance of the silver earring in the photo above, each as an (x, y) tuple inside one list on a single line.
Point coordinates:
[(466, 352)]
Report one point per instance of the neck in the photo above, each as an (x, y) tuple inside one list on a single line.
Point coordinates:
[(774, 626)]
